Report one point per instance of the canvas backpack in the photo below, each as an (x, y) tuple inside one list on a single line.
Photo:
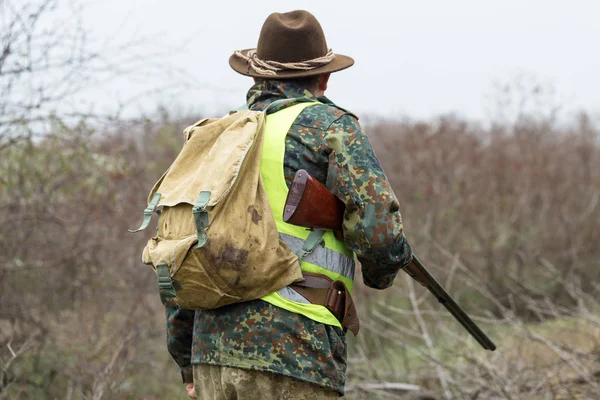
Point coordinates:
[(216, 241)]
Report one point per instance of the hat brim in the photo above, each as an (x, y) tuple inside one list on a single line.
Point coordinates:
[(338, 63)]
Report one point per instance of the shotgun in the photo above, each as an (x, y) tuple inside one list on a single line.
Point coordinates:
[(309, 204)]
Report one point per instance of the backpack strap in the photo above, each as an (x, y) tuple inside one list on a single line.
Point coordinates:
[(148, 213), (315, 238), (270, 107), (293, 100), (201, 217)]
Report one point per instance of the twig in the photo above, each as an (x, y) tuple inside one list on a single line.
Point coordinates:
[(405, 387)]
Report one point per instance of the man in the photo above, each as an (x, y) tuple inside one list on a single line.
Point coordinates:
[(262, 350)]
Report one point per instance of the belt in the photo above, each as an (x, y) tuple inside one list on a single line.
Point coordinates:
[(334, 295)]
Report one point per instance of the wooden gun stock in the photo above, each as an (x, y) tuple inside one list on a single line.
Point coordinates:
[(311, 205)]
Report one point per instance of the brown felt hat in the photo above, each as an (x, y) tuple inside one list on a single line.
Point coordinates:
[(293, 37)]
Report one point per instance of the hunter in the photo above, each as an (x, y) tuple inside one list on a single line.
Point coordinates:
[(258, 349)]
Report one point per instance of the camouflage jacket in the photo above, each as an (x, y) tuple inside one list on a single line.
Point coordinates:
[(328, 142)]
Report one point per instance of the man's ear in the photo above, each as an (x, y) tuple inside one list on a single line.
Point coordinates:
[(323, 80)]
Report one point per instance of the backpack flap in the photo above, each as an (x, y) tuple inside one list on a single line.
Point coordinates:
[(210, 160)]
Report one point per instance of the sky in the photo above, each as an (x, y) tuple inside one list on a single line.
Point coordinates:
[(416, 59)]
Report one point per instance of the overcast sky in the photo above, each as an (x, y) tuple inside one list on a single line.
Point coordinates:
[(413, 58)]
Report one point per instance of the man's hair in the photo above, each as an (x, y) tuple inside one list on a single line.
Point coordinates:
[(307, 82)]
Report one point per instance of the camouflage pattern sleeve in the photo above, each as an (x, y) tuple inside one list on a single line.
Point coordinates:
[(372, 223), (180, 328)]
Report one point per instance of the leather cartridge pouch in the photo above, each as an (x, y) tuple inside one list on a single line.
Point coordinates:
[(334, 295)]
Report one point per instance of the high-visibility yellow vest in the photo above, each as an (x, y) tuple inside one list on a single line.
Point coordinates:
[(333, 259)]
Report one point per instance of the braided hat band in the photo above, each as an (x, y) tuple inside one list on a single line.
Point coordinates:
[(266, 67)]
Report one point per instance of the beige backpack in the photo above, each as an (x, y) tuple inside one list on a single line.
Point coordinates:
[(216, 242)]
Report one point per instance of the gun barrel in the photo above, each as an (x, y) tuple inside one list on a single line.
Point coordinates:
[(444, 298)]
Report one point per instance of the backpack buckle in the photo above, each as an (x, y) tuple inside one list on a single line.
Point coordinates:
[(165, 284), (201, 217)]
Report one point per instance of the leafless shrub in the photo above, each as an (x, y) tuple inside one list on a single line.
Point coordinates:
[(506, 222), (73, 299)]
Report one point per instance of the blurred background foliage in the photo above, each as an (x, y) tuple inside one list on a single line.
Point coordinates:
[(505, 216)]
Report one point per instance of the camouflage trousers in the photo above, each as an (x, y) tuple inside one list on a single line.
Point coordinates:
[(213, 382)]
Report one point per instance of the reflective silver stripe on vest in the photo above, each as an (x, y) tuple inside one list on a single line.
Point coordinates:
[(323, 257), (291, 294)]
